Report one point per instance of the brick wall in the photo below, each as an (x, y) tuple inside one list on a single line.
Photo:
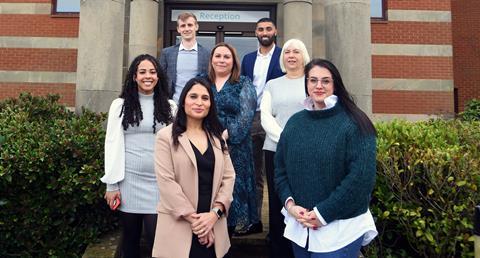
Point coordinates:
[(411, 33), (412, 25), (463, 69), (33, 55), (412, 67), (466, 49), (65, 90), (35, 59), (411, 102), (437, 5), (25, 1), (40, 25)]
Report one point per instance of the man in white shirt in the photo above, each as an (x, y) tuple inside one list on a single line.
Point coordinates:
[(185, 60)]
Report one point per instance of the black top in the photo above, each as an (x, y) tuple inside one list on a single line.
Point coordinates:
[(205, 165)]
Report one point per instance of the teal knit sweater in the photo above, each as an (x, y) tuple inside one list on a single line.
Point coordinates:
[(324, 161)]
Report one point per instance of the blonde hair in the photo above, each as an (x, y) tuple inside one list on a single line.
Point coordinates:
[(184, 16), (296, 43)]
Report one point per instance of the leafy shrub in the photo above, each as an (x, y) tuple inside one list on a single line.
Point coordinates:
[(472, 110), (427, 188), (50, 162)]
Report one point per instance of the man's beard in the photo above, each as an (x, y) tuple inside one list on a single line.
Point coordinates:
[(266, 42)]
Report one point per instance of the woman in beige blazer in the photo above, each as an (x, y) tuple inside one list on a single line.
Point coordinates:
[(195, 177)]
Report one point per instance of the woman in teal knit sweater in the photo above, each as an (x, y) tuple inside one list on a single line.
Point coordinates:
[(325, 169)]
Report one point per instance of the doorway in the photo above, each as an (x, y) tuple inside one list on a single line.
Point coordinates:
[(232, 24)]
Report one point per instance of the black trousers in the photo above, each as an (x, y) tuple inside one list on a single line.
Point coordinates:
[(279, 246), (132, 225)]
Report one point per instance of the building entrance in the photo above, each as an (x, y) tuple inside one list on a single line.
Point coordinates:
[(233, 24)]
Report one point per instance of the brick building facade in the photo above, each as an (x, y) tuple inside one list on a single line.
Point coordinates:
[(466, 50), (425, 55), (38, 51)]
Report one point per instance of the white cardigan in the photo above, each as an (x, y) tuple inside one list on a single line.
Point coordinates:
[(115, 143)]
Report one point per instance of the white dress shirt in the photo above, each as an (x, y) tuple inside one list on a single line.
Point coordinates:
[(336, 234), (260, 70)]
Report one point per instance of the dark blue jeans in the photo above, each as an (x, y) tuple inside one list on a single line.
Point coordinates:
[(352, 250)]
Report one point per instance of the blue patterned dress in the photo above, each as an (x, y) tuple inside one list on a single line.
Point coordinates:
[(236, 105)]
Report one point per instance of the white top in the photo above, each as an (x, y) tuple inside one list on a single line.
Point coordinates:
[(336, 234), (260, 71), (182, 47), (333, 236), (115, 143), (281, 99)]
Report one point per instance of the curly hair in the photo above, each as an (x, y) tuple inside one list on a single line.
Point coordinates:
[(210, 123), (131, 110)]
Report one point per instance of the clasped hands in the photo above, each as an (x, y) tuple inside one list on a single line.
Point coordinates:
[(304, 216), (202, 226)]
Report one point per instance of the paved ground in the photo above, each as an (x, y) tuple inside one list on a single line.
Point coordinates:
[(252, 246)]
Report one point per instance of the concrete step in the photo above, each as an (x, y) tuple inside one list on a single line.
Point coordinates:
[(252, 246)]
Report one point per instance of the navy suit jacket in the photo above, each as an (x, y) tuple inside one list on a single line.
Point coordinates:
[(274, 70)]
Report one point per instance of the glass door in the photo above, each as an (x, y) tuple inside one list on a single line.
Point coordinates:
[(243, 42), (207, 40), (243, 45)]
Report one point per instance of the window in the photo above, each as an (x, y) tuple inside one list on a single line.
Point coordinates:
[(377, 9), (66, 6)]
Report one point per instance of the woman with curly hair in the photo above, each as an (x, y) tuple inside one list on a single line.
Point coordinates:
[(142, 109)]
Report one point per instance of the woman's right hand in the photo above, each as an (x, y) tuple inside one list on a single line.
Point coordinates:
[(113, 199), (207, 240)]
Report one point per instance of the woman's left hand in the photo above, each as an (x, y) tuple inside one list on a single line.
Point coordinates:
[(310, 220), (204, 223), (207, 240)]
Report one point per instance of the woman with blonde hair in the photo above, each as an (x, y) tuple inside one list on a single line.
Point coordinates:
[(282, 98)]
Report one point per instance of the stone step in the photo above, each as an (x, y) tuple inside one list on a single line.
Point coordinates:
[(252, 246)]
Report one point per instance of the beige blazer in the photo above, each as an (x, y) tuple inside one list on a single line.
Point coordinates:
[(177, 178)]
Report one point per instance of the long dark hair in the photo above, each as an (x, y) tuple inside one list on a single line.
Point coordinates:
[(210, 123), (131, 110), (360, 118)]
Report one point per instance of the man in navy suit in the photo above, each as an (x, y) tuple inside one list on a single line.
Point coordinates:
[(185, 60), (261, 66)]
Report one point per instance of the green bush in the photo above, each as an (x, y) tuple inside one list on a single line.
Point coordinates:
[(427, 188), (50, 162), (472, 110)]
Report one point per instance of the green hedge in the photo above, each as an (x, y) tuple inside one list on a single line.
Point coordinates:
[(472, 111), (427, 188), (51, 202), (50, 161)]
